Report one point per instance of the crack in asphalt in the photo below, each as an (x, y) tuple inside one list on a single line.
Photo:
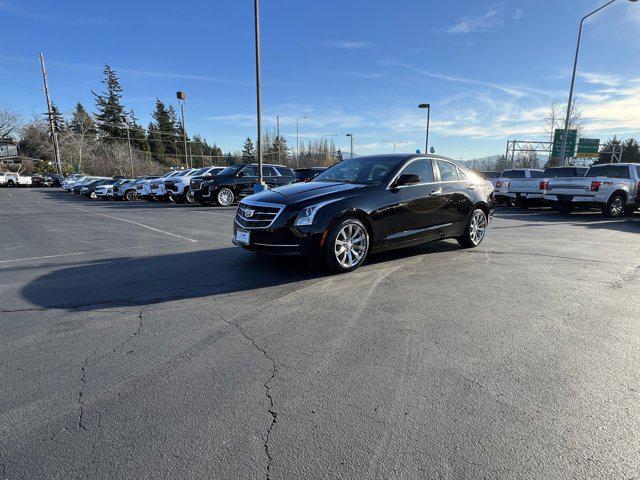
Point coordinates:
[(627, 278), (81, 394), (267, 387)]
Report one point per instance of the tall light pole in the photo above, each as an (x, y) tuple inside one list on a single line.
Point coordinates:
[(563, 151), (298, 135), (395, 144), (54, 135), (256, 13), (350, 135), (428, 107), (181, 99)]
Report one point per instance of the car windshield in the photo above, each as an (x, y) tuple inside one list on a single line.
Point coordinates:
[(230, 170), (366, 170)]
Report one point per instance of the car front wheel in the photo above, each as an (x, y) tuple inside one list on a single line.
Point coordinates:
[(475, 231), (347, 246), (614, 207), (225, 197), (189, 196), (93, 195), (131, 195)]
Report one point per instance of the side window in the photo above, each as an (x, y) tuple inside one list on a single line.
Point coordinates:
[(537, 174), (248, 172), (269, 171), (461, 174), (448, 171), (422, 167)]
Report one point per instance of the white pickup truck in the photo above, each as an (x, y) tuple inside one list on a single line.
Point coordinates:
[(158, 192), (144, 186), (612, 187), (530, 192), (503, 192), (12, 179)]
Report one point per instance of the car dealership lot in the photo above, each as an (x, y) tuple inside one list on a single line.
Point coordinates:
[(137, 342)]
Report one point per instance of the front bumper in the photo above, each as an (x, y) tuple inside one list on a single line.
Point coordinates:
[(284, 241)]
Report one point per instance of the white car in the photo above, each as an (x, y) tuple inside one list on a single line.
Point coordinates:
[(144, 187), (105, 191), (157, 190), (179, 187), (68, 182), (12, 179)]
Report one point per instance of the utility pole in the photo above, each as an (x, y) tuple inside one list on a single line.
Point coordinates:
[(181, 99), (256, 14), (54, 136)]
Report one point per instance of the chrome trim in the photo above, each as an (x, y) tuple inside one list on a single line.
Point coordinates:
[(406, 233), (272, 245), (253, 203)]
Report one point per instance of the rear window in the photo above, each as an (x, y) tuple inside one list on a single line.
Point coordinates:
[(560, 172), (609, 171), (513, 174), (489, 175), (536, 174)]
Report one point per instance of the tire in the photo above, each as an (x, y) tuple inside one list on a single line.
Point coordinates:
[(614, 207), (93, 195), (565, 207), (188, 196), (11, 184), (348, 245), (131, 195), (225, 197), (475, 230)]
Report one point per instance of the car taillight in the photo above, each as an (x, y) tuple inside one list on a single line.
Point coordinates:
[(595, 186), (498, 184), (544, 185)]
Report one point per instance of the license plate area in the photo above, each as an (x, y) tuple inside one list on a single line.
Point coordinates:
[(243, 237)]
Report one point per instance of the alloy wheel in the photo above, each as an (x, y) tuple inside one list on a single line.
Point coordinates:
[(225, 197), (351, 245), (478, 227), (617, 207)]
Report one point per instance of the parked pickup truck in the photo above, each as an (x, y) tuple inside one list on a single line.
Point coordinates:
[(503, 192), (612, 187), (530, 192), (11, 179), (179, 187)]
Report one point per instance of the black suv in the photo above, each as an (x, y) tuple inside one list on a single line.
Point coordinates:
[(237, 181), (368, 204)]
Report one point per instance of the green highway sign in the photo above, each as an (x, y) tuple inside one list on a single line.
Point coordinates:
[(572, 137), (588, 147)]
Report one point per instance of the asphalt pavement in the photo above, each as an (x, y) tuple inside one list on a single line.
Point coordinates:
[(137, 342)]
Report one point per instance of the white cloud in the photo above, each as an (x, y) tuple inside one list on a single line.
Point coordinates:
[(601, 79), (349, 44), (489, 20)]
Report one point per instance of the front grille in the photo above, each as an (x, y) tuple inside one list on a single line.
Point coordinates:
[(257, 216), (196, 184), (116, 189), (170, 186)]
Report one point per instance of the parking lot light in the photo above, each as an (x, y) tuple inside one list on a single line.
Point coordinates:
[(428, 107)]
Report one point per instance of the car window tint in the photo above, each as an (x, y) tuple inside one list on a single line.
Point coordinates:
[(249, 172), (513, 174), (610, 171), (536, 174), (448, 171), (421, 167), (269, 171)]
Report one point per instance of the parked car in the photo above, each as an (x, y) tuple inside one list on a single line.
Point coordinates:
[(105, 190), (492, 177), (71, 180), (12, 179), (129, 190), (308, 174), (503, 192), (178, 188), (144, 187), (77, 186), (157, 187), (154, 189), (196, 182), (614, 188), (365, 205), (89, 189), (41, 181), (530, 192), (5, 177), (237, 181)]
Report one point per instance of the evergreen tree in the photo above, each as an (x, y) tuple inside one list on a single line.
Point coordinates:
[(248, 151), (631, 152), (156, 144), (81, 123), (137, 134), (59, 123), (606, 150), (110, 113), (166, 127), (278, 151), (339, 156)]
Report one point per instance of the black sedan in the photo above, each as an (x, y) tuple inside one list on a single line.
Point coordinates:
[(308, 174), (368, 204), (238, 181)]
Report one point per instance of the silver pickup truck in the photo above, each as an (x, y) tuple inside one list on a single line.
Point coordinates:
[(612, 187), (530, 192), (503, 193)]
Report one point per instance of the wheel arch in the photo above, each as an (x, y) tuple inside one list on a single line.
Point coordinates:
[(622, 192), (355, 213)]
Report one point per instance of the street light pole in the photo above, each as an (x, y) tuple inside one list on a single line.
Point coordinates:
[(428, 107), (350, 135), (256, 13), (563, 151), (181, 99), (394, 144)]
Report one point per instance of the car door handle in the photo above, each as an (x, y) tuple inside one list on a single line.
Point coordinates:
[(472, 187), (435, 193)]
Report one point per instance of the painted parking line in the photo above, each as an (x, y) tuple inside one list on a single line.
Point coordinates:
[(138, 224), (106, 250)]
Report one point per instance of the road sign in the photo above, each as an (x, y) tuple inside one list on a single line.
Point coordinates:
[(572, 136), (588, 147)]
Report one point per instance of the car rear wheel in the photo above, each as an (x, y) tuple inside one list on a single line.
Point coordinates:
[(476, 229), (347, 246), (225, 197), (131, 195), (93, 195), (614, 207)]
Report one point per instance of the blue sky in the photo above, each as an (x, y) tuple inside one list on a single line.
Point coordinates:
[(490, 69)]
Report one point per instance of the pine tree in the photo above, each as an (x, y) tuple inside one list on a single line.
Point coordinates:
[(166, 127), (137, 134), (156, 144), (339, 156), (278, 151), (59, 123), (606, 150), (248, 151), (110, 113), (81, 122), (631, 152)]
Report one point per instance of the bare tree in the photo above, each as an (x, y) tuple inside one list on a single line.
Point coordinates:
[(10, 122)]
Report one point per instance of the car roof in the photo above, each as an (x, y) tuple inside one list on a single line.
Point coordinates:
[(616, 164)]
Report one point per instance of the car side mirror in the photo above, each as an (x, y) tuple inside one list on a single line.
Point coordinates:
[(405, 180)]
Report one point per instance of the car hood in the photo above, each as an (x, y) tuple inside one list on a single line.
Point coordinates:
[(308, 192)]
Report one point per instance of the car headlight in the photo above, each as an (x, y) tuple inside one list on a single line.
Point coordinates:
[(307, 214)]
